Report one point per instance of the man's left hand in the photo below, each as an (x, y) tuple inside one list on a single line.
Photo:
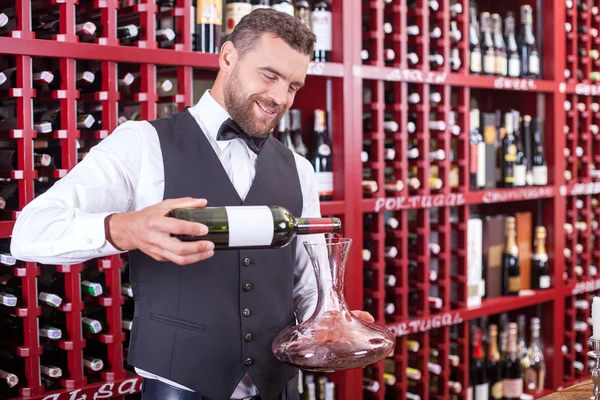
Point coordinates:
[(363, 315)]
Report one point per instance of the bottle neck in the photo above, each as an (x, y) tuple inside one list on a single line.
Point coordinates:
[(511, 243), (307, 226), (493, 353)]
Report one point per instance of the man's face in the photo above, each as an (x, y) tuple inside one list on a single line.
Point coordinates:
[(262, 85)]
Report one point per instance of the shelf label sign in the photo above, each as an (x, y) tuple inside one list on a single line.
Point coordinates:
[(425, 324), (585, 287), (585, 188), (583, 89), (500, 196), (515, 84), (414, 75), (316, 68), (108, 390), (406, 202)]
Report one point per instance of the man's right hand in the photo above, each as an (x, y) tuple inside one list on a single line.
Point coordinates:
[(149, 230)]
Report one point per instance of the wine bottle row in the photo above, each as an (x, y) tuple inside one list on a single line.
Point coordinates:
[(582, 24), (210, 27)]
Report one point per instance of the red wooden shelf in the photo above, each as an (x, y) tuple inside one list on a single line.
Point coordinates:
[(332, 207)]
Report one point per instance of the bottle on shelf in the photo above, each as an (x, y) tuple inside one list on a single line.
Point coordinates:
[(510, 260), (208, 25), (530, 60), (499, 46), (321, 22), (321, 158), (487, 45), (513, 380), (296, 132), (539, 167), (509, 152), (536, 375), (476, 152), (302, 12), (512, 48), (540, 273), (494, 365), (235, 11), (475, 63)]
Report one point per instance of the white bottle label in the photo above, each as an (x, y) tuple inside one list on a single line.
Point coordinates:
[(325, 183), (514, 67), (520, 172), (321, 26), (482, 392), (235, 12), (544, 282), (475, 60), (540, 175), (489, 63), (250, 226), (287, 8), (513, 388), (481, 165), (534, 64), (501, 66)]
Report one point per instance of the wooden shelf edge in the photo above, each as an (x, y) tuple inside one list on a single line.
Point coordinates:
[(332, 207)]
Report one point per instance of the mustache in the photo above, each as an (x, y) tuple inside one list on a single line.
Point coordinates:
[(269, 103)]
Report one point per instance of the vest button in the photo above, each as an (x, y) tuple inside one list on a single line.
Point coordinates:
[(246, 262), (248, 362), (248, 337), (246, 312), (247, 286)]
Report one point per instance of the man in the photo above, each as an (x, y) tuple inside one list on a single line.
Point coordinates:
[(204, 321)]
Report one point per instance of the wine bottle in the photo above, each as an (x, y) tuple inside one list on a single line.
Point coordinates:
[(208, 25), (284, 6), (509, 151), (127, 33), (536, 375), (256, 4), (510, 260), (321, 23), (494, 365), (539, 167), (530, 61), (296, 132), (513, 381), (487, 45), (527, 149), (499, 46), (12, 286), (540, 274), (271, 227), (302, 12), (236, 10), (478, 370), (520, 167), (512, 48), (284, 132), (474, 47), (522, 352), (476, 153), (321, 159)]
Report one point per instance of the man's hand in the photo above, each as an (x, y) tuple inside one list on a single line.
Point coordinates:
[(149, 230), (363, 315)]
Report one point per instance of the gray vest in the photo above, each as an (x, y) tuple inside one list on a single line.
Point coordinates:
[(204, 325)]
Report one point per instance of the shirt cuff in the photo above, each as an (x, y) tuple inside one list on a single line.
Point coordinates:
[(90, 232)]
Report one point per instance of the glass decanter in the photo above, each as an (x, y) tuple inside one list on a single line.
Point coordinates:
[(332, 338)]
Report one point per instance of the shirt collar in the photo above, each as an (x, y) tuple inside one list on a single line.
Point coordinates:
[(212, 115)]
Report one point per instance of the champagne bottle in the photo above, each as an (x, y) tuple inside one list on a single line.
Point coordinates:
[(512, 49), (540, 273), (296, 132), (487, 45), (509, 151), (499, 46), (520, 167), (252, 226), (539, 168), (523, 354), (513, 381), (302, 12), (478, 370), (530, 60), (536, 375), (494, 366), (284, 132), (510, 260), (474, 47), (321, 159), (236, 10)]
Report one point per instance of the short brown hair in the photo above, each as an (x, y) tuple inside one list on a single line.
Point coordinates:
[(252, 26)]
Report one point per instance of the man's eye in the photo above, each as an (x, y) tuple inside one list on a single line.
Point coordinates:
[(270, 77)]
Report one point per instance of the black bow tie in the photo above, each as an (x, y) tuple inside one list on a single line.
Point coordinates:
[(231, 130)]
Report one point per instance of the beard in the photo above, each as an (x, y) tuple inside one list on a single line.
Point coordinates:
[(240, 107)]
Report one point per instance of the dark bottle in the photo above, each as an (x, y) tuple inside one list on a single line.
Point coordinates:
[(530, 60), (40, 79), (511, 270), (9, 195), (527, 148), (321, 25), (539, 168), (296, 132), (494, 366), (284, 132), (478, 370), (9, 159), (302, 12), (236, 10), (520, 168), (127, 33), (540, 271), (512, 48), (513, 379), (487, 45), (499, 46), (536, 376), (321, 159), (509, 153), (474, 47), (208, 25)]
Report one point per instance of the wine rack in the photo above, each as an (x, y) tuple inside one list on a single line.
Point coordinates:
[(406, 72)]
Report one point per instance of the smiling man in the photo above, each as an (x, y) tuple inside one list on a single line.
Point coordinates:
[(204, 320)]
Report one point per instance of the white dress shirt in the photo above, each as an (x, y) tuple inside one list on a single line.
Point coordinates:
[(125, 172)]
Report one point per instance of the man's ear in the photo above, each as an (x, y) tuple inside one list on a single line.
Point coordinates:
[(228, 56)]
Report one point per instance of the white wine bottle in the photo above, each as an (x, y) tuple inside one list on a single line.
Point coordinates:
[(252, 226)]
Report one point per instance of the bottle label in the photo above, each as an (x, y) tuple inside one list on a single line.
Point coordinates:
[(498, 390), (520, 172), (544, 282), (489, 63), (325, 183), (475, 60), (50, 299), (50, 332), (511, 154), (540, 175), (324, 150), (513, 388), (514, 67), (501, 65), (235, 12), (209, 12), (534, 64), (514, 284), (250, 226), (256, 7), (482, 391), (286, 8), (321, 26)]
